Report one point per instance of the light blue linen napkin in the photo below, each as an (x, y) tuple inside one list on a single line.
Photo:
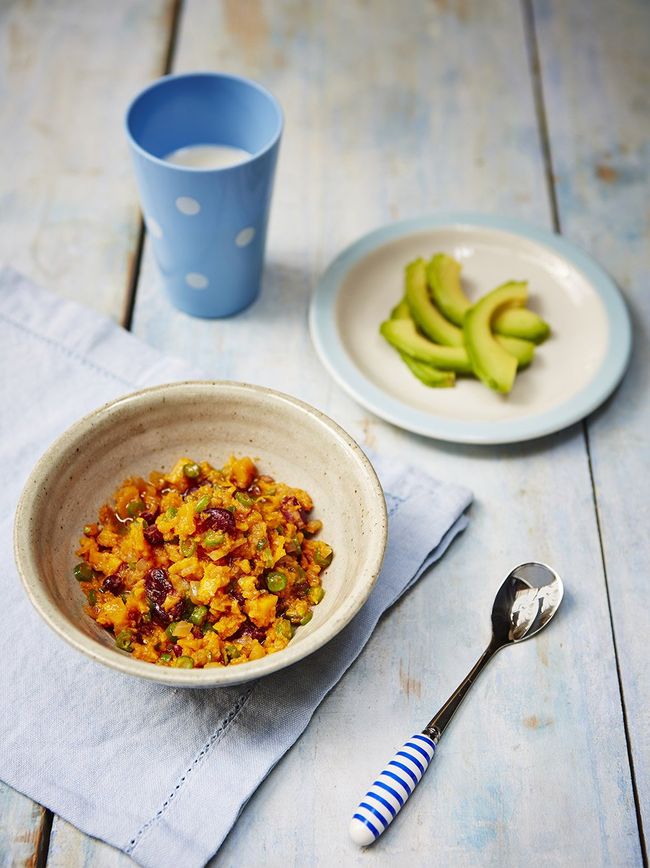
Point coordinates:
[(160, 773)]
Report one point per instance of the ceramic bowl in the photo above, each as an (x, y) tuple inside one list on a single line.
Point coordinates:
[(149, 430)]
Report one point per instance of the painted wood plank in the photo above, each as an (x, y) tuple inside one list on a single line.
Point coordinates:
[(597, 88), (68, 211), (396, 110), (21, 827), (70, 848)]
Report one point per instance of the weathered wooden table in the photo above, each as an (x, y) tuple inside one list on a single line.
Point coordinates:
[(538, 109)]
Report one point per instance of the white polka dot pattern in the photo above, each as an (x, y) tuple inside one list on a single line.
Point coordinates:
[(196, 280), (188, 206), (245, 236)]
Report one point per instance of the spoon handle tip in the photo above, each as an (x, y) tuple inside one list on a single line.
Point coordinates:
[(391, 789)]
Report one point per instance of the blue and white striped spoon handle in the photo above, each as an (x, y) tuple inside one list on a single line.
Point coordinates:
[(393, 786)]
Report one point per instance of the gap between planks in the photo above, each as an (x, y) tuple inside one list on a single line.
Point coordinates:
[(43, 841), (530, 36), (136, 260)]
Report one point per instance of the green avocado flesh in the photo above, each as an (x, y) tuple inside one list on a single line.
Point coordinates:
[(443, 276), (518, 322), (429, 375), (491, 363), (424, 312), (401, 310), (521, 349), (402, 334)]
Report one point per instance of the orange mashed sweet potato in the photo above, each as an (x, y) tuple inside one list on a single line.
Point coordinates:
[(202, 567)]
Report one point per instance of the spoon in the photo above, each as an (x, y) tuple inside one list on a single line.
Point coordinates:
[(524, 604)]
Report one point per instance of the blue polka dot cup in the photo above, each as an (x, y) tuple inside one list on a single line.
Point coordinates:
[(207, 225)]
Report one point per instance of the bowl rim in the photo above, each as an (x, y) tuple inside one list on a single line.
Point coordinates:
[(197, 678)]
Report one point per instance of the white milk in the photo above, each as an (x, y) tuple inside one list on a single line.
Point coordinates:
[(207, 156)]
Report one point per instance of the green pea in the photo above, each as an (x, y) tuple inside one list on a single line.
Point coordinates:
[(323, 555), (185, 662), (244, 499), (172, 512), (165, 658), (83, 572), (170, 630), (135, 507), (123, 640), (191, 470), (198, 615), (202, 503), (213, 539), (187, 547), (92, 597), (276, 581), (306, 619), (232, 651), (284, 628), (315, 595)]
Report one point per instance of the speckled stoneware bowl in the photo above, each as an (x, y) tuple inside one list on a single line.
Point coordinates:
[(209, 421)]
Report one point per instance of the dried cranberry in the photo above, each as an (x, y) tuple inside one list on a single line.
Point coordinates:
[(113, 584), (153, 536), (249, 629), (149, 516), (162, 617), (235, 592), (157, 585), (159, 616), (191, 489), (196, 632), (177, 650), (217, 518), (254, 489), (291, 510)]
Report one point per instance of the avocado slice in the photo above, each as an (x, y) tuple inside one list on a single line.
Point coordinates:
[(402, 334), (443, 276), (401, 310), (491, 363), (521, 349), (424, 312), (429, 375), (519, 322)]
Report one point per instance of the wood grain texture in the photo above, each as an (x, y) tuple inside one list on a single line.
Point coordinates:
[(394, 111), (70, 848), (21, 828), (68, 210), (597, 87)]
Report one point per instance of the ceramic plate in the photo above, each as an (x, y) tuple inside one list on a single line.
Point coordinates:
[(572, 373)]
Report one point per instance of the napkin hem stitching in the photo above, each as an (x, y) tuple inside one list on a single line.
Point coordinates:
[(216, 736), (65, 350)]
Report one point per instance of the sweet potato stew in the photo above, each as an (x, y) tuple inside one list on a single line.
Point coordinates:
[(202, 567)]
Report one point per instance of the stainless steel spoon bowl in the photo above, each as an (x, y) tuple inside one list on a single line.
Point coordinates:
[(524, 604)]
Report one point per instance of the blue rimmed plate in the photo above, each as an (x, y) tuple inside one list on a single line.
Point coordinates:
[(573, 372)]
